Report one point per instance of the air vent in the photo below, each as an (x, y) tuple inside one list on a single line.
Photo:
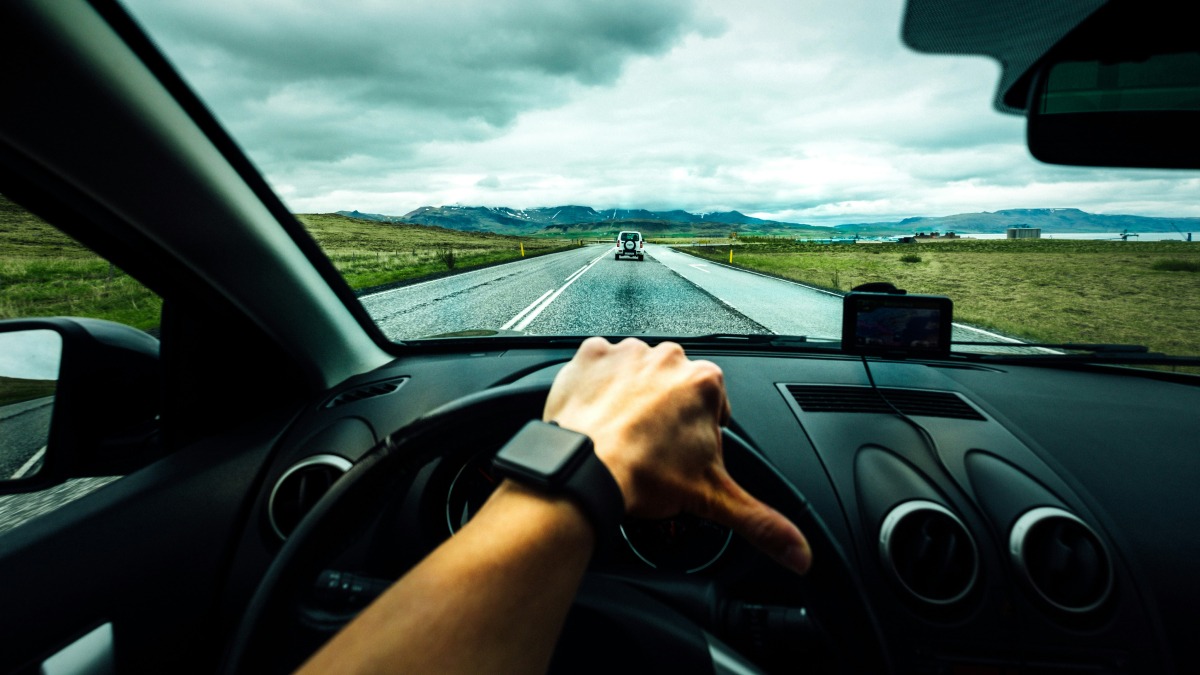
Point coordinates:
[(300, 488), (850, 399), (1062, 559), (929, 551), (368, 391)]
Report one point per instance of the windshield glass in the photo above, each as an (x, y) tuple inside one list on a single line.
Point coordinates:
[(469, 166)]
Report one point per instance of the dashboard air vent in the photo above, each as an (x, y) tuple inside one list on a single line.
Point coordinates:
[(929, 551), (368, 391), (1062, 559), (852, 399), (300, 488)]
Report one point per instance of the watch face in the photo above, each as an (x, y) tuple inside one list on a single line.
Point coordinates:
[(541, 450)]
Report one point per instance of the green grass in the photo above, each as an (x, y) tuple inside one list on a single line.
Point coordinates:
[(1040, 290), (369, 253), (1176, 265), (16, 390), (43, 272)]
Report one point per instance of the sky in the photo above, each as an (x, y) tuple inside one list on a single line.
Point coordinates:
[(807, 111), (30, 354)]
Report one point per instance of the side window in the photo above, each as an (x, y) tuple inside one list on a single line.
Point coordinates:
[(45, 273)]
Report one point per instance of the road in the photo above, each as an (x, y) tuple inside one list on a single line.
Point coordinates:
[(579, 292), (587, 292), (24, 430)]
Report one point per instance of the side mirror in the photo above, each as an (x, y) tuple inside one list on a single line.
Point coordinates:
[(1129, 112), (78, 397)]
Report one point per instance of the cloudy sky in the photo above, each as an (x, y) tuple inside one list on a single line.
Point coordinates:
[(808, 111)]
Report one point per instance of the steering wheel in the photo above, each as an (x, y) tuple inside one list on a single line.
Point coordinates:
[(267, 638)]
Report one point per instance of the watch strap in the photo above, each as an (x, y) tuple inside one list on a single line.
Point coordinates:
[(586, 481), (597, 493)]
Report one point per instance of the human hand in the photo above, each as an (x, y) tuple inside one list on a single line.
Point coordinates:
[(655, 418)]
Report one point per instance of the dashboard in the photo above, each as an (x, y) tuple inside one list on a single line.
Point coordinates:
[(971, 517)]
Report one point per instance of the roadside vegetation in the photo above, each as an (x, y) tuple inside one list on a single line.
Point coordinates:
[(370, 253), (46, 273), (17, 390), (1039, 290)]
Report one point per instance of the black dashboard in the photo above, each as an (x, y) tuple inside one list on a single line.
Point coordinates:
[(981, 517)]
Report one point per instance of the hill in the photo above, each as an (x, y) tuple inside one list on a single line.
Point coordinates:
[(585, 221), (573, 219), (1051, 221)]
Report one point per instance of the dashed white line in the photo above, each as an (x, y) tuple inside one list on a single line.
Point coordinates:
[(29, 464), (700, 266), (546, 303), (526, 310)]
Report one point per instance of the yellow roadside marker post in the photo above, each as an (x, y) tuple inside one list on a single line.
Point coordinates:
[(522, 249)]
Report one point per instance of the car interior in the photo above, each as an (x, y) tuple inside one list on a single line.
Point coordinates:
[(282, 462)]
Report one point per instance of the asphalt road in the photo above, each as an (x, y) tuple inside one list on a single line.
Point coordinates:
[(24, 430), (587, 292), (579, 292)]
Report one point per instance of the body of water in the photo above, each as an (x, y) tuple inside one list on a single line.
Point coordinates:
[(1116, 236)]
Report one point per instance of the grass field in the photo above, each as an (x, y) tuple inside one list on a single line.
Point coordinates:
[(1042, 290), (45, 273), (369, 253), (16, 390)]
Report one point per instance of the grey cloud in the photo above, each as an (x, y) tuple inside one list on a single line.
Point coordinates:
[(467, 62)]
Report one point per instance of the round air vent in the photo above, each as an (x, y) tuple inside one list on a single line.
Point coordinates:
[(300, 488), (929, 551), (1062, 559)]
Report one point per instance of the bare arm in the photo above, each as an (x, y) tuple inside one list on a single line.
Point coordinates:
[(494, 597)]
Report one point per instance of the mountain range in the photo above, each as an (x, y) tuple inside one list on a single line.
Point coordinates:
[(587, 221)]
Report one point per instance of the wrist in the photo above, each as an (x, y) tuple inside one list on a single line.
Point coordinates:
[(560, 462)]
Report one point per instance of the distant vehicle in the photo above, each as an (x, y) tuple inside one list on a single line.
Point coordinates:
[(630, 244)]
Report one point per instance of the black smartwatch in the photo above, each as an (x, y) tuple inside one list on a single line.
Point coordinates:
[(548, 458)]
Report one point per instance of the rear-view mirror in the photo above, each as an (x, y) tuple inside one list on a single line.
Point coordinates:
[(1141, 112)]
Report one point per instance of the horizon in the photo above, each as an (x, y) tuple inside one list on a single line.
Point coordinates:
[(760, 217)]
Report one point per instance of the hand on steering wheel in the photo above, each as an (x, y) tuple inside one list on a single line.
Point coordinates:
[(655, 418)]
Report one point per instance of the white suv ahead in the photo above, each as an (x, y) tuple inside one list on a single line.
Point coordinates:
[(630, 244)]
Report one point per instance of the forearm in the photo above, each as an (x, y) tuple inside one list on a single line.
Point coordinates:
[(492, 599)]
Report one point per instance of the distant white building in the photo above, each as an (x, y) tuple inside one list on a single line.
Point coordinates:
[(1024, 233)]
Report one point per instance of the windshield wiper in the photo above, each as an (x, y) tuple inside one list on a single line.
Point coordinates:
[(1072, 352), (757, 340), (1093, 347)]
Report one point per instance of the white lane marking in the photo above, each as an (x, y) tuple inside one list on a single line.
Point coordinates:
[(29, 464), (534, 314), (544, 258), (526, 310), (759, 274), (700, 266), (1012, 341), (821, 290), (575, 272)]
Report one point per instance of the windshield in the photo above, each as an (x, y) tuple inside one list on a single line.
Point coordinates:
[(468, 166)]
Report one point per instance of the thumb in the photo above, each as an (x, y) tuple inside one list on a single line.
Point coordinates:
[(764, 527)]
